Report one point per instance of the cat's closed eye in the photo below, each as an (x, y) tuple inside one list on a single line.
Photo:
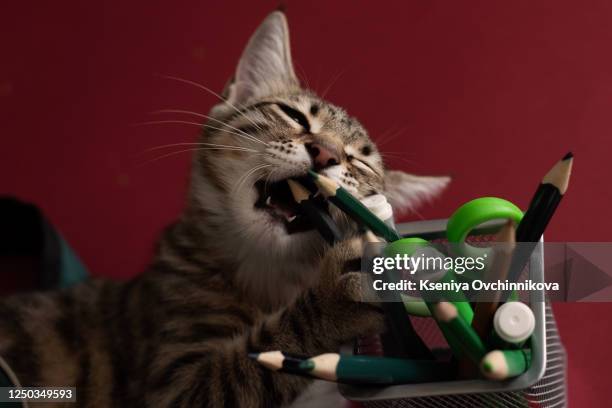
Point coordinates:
[(296, 116), (361, 164)]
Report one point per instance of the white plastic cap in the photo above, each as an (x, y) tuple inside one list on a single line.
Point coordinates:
[(379, 205), (514, 322)]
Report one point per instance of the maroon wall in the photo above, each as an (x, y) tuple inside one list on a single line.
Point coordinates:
[(492, 93)]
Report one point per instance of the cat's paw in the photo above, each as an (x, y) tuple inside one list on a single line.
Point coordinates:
[(340, 291), (344, 257)]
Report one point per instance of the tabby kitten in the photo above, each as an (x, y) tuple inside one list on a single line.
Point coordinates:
[(239, 271)]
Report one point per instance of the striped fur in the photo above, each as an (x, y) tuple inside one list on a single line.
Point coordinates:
[(173, 337), (226, 278)]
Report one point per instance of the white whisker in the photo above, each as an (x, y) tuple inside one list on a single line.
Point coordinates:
[(184, 151), (390, 157), (201, 115), (414, 210), (269, 176), (390, 135), (230, 147), (160, 122), (198, 85), (333, 82), (302, 74), (184, 122), (234, 133), (245, 176)]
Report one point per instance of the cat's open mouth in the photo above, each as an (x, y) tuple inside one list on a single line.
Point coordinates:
[(277, 200)]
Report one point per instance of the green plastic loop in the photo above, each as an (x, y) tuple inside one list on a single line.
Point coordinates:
[(472, 214), (405, 246)]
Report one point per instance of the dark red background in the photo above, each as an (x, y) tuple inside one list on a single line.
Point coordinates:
[(492, 93)]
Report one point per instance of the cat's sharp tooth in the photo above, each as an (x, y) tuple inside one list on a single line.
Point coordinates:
[(293, 217), (269, 201)]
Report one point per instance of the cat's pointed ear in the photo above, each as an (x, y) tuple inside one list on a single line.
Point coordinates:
[(265, 66), (407, 191)]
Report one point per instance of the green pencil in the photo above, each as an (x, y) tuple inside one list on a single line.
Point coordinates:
[(321, 220), (400, 339), (503, 364), (373, 370), (460, 335), (353, 207), (408, 246)]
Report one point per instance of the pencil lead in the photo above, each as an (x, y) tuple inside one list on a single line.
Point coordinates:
[(569, 155), (313, 174), (254, 356)]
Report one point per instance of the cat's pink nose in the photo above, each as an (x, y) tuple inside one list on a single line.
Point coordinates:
[(322, 156)]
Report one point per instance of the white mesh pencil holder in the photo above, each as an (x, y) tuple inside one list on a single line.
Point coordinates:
[(543, 385)]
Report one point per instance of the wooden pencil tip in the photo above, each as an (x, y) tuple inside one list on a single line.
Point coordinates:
[(569, 155), (326, 185), (507, 233), (445, 311), (300, 193), (559, 175), (494, 365)]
